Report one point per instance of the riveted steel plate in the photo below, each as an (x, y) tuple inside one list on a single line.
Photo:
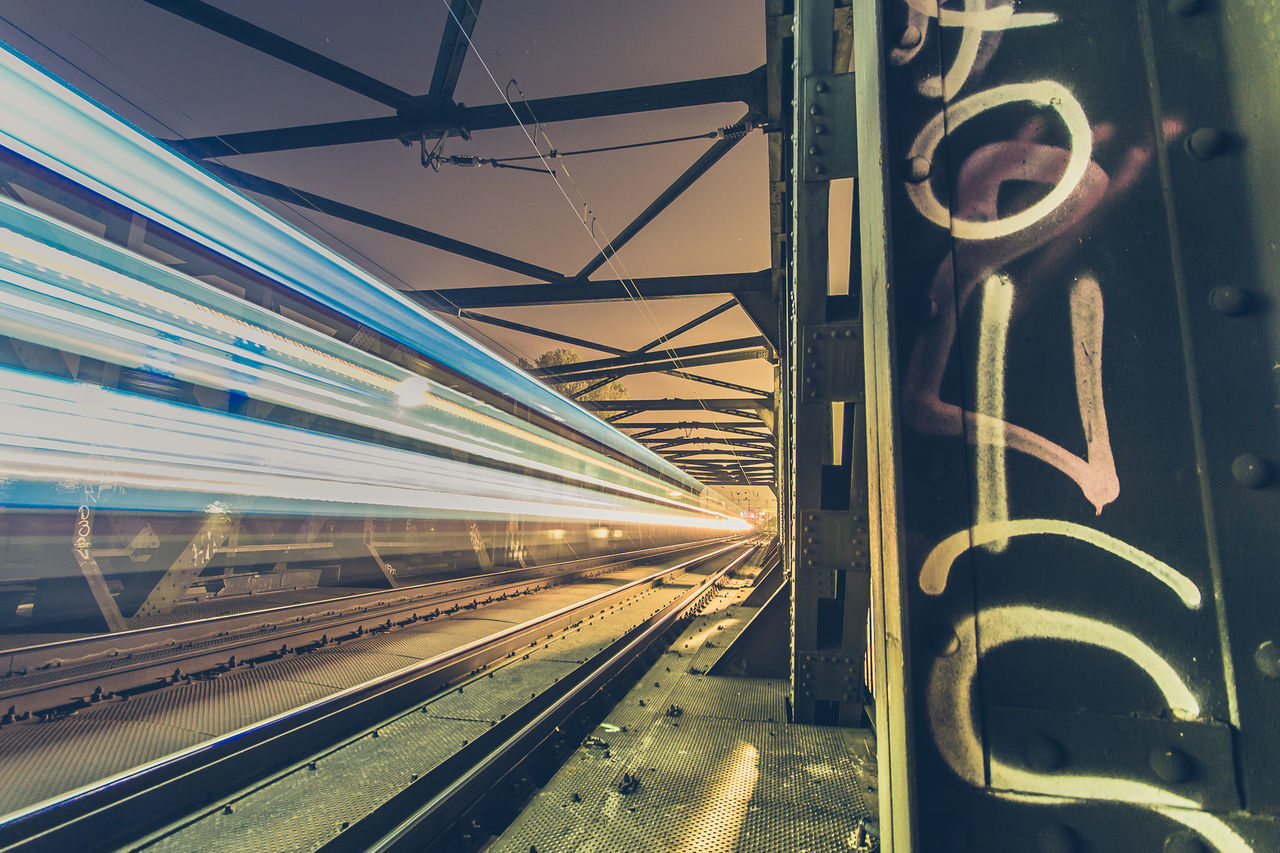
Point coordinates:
[(831, 363)]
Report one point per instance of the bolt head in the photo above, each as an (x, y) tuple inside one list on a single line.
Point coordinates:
[(1057, 838), (1171, 764), (1229, 299), (943, 640), (911, 36), (1184, 842), (1267, 659), (1205, 143), (929, 310), (1044, 754), (1251, 470), (918, 169)]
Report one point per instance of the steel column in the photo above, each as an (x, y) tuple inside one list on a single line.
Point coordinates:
[(1083, 243), (825, 536)]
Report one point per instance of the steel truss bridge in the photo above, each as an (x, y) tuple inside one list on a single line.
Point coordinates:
[(1023, 435)]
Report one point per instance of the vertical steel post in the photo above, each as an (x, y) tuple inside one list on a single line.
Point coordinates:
[(823, 403)]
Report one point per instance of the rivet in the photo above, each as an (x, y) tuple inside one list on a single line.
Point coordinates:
[(814, 150), (1251, 470), (1205, 143), (819, 130), (929, 310), (1056, 838), (1170, 764), (918, 169), (1267, 659), (1184, 842), (1044, 754), (1229, 299), (911, 37), (820, 87), (943, 640), (1185, 8), (815, 110), (819, 169)]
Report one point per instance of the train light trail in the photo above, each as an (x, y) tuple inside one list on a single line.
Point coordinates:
[(61, 440), (68, 290), (66, 133)]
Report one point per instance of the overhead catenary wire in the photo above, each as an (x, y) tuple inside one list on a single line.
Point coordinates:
[(436, 157), (610, 257)]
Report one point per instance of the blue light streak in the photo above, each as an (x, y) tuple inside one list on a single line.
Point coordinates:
[(63, 288), (61, 441), (60, 129)]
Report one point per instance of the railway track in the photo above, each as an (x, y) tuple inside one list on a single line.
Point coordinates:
[(119, 810), (51, 680)]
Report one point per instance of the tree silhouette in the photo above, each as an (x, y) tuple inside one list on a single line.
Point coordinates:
[(556, 357)]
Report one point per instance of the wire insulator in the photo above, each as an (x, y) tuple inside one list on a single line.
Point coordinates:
[(734, 131)]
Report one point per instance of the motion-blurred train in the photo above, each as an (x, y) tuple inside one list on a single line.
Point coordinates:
[(198, 402)]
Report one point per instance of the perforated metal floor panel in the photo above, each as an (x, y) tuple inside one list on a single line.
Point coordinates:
[(726, 773)]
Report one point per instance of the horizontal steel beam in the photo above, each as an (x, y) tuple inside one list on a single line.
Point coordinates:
[(658, 366), (655, 428), (747, 88), (719, 383), (600, 291), (541, 333), (661, 443), (680, 405), (659, 357), (292, 195)]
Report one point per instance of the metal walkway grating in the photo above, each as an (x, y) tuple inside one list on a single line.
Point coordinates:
[(727, 774)]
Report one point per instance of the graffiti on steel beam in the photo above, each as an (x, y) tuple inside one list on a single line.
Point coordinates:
[(1016, 209)]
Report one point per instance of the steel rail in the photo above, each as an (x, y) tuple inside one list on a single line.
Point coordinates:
[(258, 632), (123, 808), (405, 823)]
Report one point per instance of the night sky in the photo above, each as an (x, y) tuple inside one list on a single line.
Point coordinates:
[(175, 79)]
